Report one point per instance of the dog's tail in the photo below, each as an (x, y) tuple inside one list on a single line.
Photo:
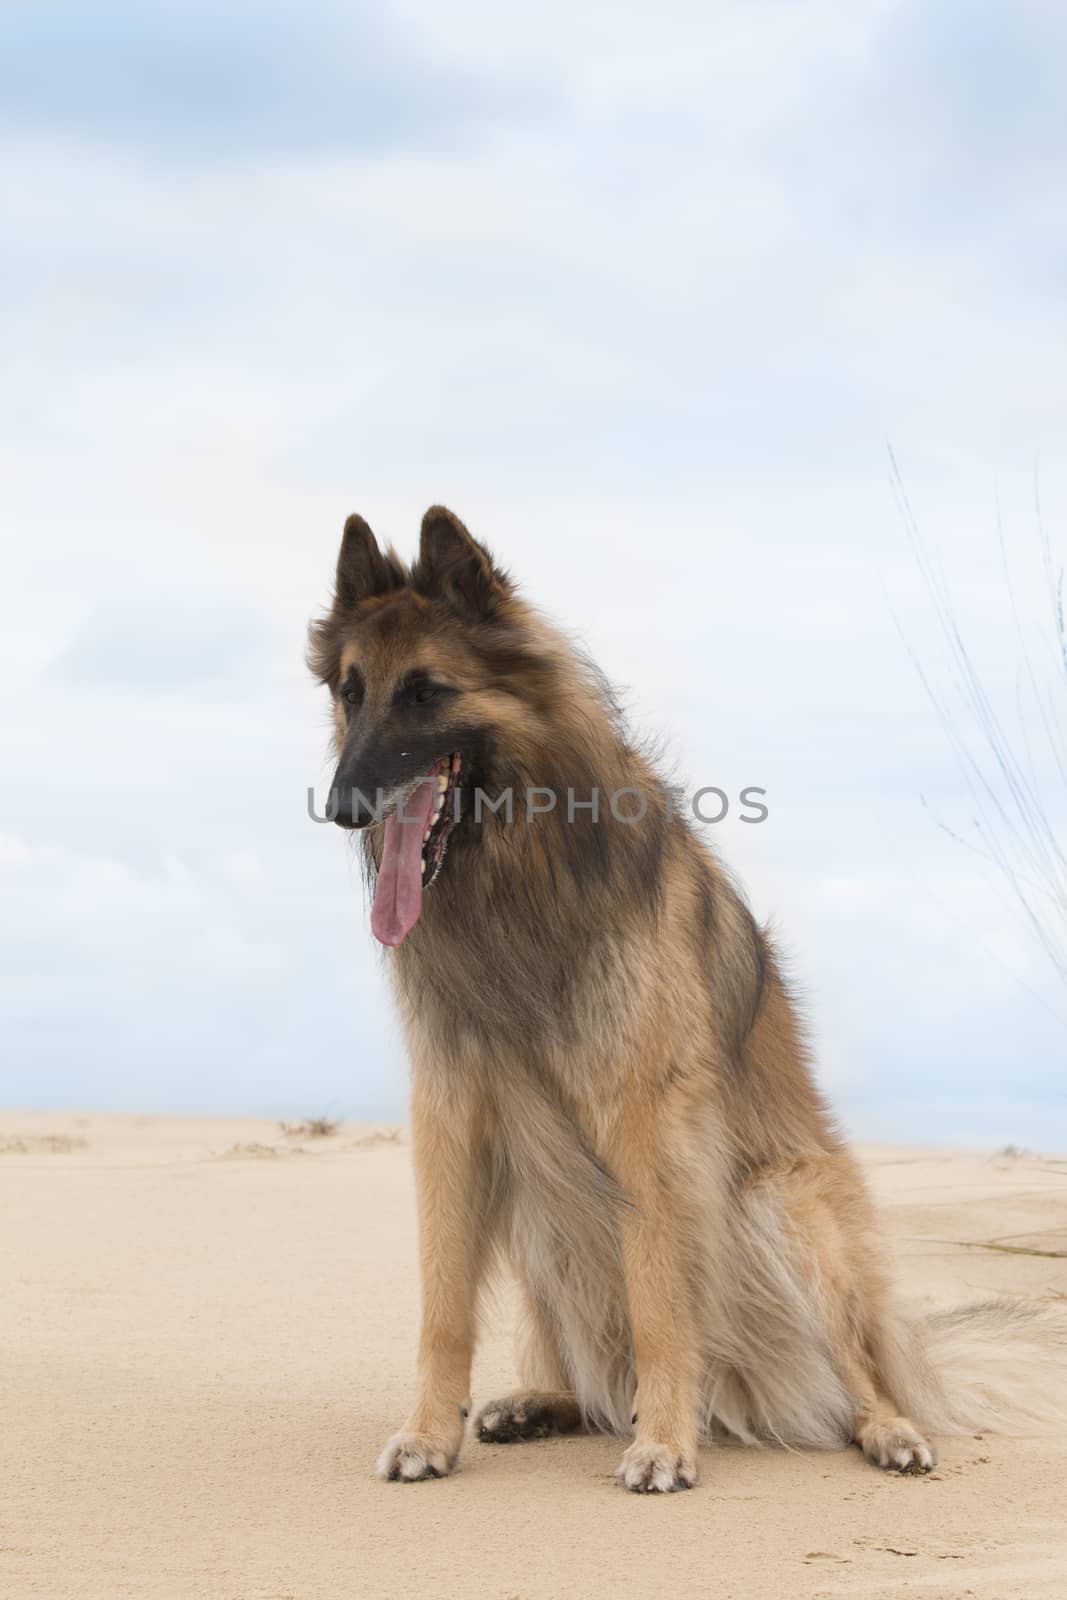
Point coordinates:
[(998, 1366)]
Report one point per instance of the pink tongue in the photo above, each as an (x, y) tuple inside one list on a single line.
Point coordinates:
[(398, 896)]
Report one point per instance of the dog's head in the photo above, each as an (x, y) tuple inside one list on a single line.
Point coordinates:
[(429, 669)]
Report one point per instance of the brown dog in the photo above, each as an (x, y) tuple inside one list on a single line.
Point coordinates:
[(611, 1089)]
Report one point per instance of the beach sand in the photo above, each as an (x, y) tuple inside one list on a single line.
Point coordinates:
[(208, 1332)]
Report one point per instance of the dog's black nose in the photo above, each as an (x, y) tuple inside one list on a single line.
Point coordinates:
[(354, 809), (344, 814)]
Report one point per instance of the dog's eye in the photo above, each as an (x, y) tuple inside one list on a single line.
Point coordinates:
[(418, 690), (352, 688)]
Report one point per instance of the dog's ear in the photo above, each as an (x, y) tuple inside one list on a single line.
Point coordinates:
[(454, 567), (362, 569)]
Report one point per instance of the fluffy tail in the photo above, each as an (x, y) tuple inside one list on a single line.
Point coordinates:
[(999, 1366)]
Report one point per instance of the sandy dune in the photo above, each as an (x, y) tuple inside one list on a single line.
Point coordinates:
[(207, 1331)]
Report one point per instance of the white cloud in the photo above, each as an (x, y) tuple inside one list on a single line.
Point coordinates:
[(650, 340)]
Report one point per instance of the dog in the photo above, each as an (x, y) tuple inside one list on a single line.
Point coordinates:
[(611, 1088)]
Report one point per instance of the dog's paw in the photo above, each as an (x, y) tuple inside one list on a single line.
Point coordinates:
[(896, 1446), (650, 1468), (529, 1415), (408, 1457)]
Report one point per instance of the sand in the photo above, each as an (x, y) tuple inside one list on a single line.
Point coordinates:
[(207, 1332)]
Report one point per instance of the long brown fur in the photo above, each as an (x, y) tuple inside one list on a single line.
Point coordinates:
[(611, 1090)]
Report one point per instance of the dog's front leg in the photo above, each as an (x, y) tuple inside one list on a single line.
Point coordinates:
[(663, 1455), (448, 1141)]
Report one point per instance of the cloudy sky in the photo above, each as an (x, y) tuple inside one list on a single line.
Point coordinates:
[(645, 294)]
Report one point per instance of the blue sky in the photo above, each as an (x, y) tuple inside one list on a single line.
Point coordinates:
[(643, 295)]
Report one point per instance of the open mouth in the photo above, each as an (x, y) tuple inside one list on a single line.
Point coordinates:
[(442, 819), (413, 848)]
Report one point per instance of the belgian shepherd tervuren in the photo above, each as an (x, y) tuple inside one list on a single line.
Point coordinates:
[(611, 1089)]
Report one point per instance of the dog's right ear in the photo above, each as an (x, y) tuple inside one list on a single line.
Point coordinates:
[(362, 569)]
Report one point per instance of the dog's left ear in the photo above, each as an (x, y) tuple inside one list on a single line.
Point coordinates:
[(454, 567)]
